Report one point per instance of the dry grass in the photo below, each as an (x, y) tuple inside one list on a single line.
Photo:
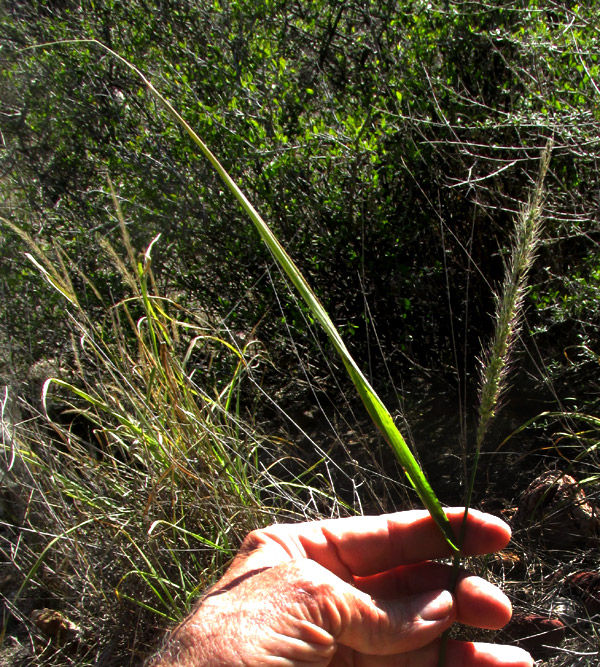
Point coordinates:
[(129, 486)]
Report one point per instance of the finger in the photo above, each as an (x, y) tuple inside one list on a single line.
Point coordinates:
[(360, 546), (479, 654), (479, 603), (388, 627), (459, 654)]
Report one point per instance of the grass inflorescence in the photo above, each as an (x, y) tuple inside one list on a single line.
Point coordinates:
[(507, 320)]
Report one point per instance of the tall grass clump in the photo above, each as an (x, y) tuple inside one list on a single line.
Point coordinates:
[(136, 477)]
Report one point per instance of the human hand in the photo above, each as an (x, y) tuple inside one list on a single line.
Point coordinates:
[(362, 591)]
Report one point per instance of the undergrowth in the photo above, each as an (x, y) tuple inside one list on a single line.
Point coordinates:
[(129, 486)]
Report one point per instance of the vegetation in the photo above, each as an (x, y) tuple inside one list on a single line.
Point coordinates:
[(391, 146)]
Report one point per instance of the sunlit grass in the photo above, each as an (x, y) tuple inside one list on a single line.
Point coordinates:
[(143, 471)]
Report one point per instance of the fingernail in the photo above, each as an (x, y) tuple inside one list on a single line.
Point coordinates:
[(434, 606)]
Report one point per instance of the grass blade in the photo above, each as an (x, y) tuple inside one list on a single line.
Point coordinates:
[(375, 407)]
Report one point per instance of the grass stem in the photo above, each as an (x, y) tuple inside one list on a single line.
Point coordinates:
[(507, 323)]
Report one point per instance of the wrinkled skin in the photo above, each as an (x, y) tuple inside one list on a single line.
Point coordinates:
[(356, 592)]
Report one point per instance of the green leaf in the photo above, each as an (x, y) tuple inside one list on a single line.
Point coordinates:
[(375, 407)]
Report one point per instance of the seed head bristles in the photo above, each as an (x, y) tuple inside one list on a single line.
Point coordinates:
[(59, 280), (494, 365), (509, 303), (509, 308)]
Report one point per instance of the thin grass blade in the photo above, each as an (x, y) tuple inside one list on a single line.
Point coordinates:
[(373, 403)]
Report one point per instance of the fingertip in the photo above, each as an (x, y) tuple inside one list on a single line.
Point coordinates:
[(503, 612), (481, 604), (500, 655), (480, 654), (485, 533)]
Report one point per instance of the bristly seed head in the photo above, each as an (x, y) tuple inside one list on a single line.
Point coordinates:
[(509, 304)]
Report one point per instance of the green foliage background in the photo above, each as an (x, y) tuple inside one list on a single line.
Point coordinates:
[(388, 143)]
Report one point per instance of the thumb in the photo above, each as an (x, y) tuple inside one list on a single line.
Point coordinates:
[(384, 627)]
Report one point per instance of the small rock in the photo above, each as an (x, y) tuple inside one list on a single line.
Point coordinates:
[(555, 506), (54, 624), (536, 634), (585, 586)]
